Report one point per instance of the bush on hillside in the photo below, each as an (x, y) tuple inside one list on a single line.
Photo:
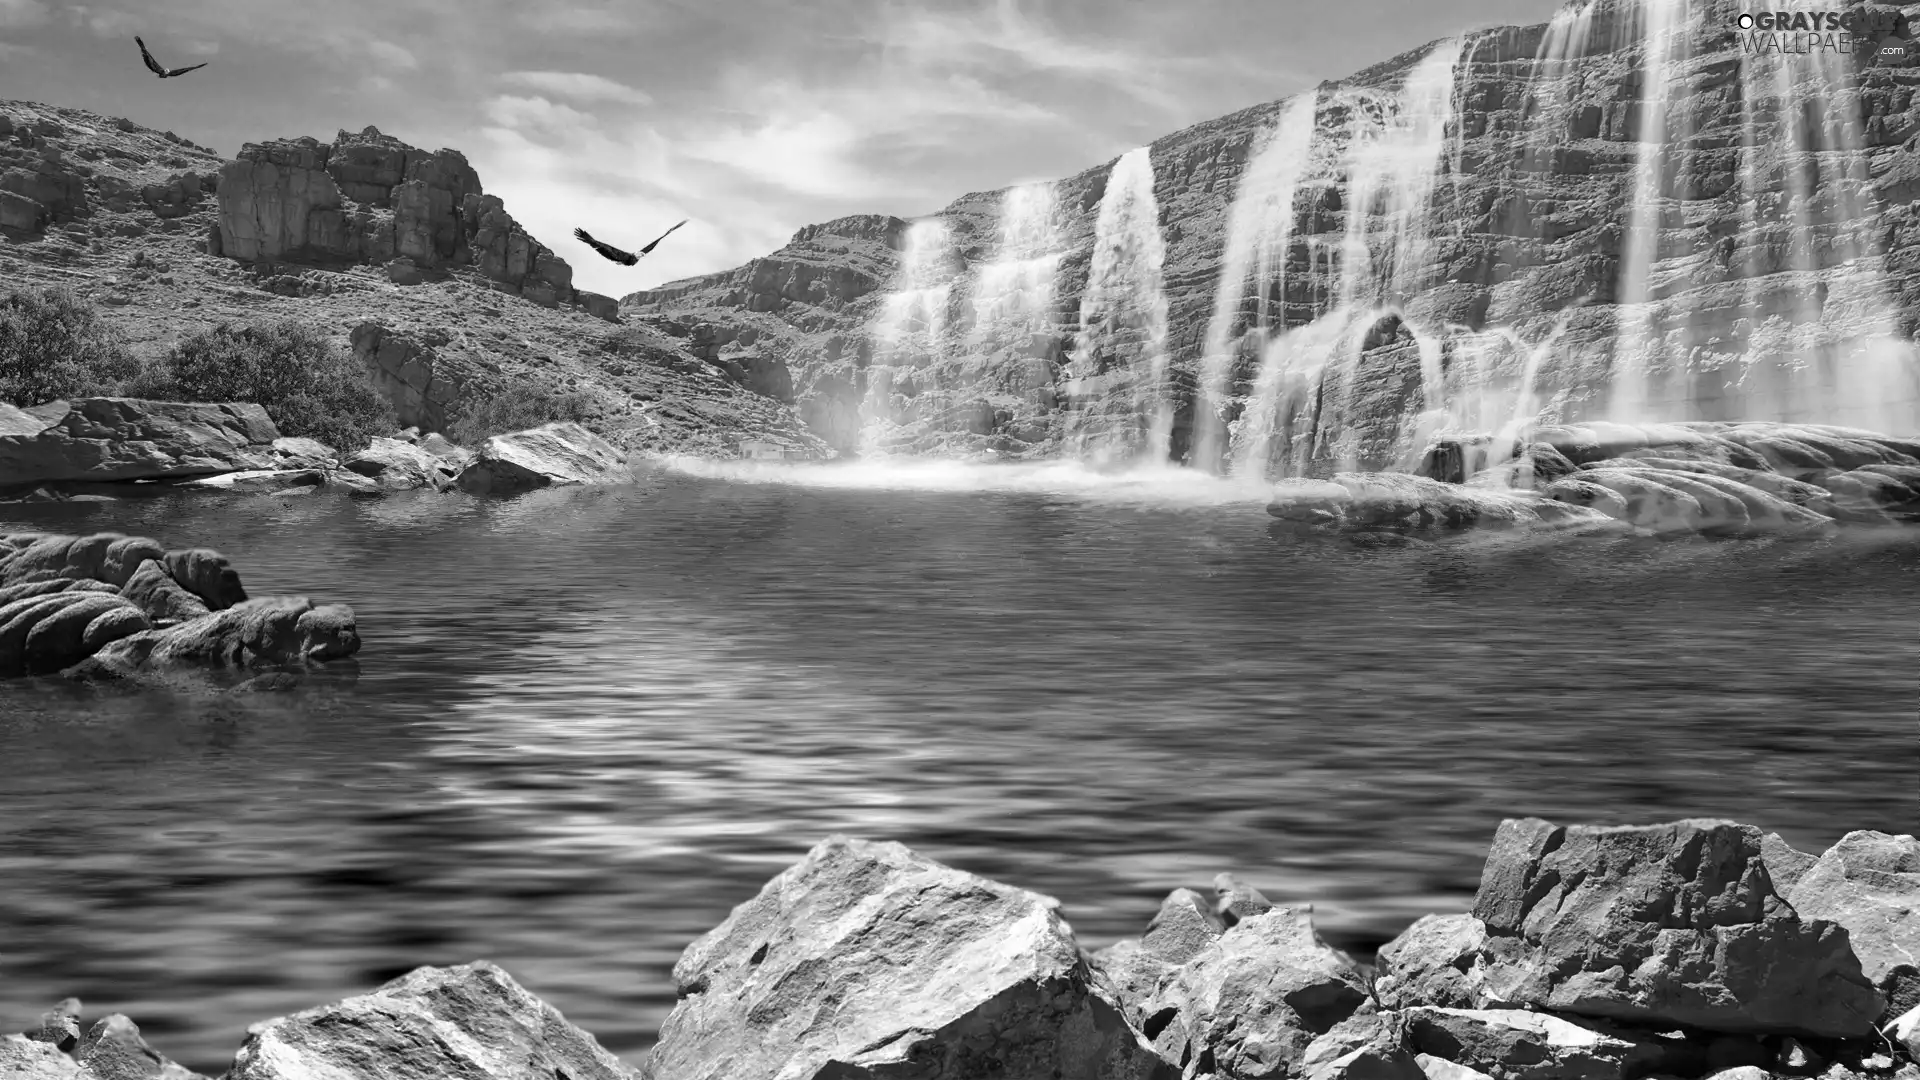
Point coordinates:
[(53, 345), (307, 385), (518, 409)]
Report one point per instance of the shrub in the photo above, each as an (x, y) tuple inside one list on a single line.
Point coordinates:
[(518, 409), (53, 345), (307, 385)]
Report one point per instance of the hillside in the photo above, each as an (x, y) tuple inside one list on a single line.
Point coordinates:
[(134, 218)]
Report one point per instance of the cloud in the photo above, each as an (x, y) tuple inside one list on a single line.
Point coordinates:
[(578, 85), (392, 55), (21, 14)]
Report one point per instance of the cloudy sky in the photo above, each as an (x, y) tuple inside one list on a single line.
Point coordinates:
[(749, 117)]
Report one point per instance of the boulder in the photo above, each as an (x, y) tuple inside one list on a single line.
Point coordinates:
[(299, 452), (1521, 1045), (1674, 924), (113, 1050), (1437, 961), (1362, 1047), (1251, 1003), (401, 271), (598, 306), (1869, 883), (1786, 864), (275, 631), (107, 557), (868, 960), (1905, 1031), (22, 1058), (563, 453), (277, 201), (206, 574), (471, 1021), (397, 465), (40, 635), (1181, 930), (131, 439), (44, 586), (164, 602), (1235, 900), (59, 1025)]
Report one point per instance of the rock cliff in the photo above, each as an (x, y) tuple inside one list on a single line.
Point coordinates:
[(1550, 223)]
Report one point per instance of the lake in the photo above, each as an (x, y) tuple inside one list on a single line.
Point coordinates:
[(586, 722)]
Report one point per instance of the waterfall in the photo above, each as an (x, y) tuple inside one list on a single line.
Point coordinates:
[(1120, 352), (1259, 234), (1014, 292), (1820, 329), (910, 330)]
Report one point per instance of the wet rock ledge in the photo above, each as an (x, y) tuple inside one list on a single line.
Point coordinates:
[(110, 606), (1694, 949)]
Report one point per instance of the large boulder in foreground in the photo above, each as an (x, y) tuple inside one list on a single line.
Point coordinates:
[(1869, 883), (112, 1049), (471, 1021), (868, 960), (1439, 960), (563, 453), (131, 439), (1674, 924), (1255, 999)]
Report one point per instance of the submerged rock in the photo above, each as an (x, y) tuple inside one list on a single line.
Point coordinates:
[(1668, 924), (563, 453), (866, 959), (473, 1022)]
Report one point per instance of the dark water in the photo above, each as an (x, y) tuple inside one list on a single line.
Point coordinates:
[(586, 723)]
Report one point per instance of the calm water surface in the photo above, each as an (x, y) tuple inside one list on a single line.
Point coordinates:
[(586, 723)]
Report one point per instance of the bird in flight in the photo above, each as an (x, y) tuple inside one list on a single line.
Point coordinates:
[(624, 258), (154, 65)]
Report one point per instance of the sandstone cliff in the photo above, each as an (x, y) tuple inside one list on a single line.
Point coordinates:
[(397, 252), (1753, 259)]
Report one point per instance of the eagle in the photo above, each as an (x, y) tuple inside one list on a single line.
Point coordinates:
[(624, 258), (154, 65)]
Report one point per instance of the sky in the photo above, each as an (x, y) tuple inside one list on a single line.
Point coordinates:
[(750, 118)]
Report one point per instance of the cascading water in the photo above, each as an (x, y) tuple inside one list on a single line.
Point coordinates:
[(1662, 26), (1820, 332), (1014, 292), (1259, 234), (1393, 159), (1118, 372), (911, 328)]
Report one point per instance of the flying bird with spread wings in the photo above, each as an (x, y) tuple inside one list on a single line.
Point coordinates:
[(624, 258), (154, 65)]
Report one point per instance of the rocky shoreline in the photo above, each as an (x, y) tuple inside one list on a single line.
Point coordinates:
[(1706, 479), (98, 449), (1698, 948)]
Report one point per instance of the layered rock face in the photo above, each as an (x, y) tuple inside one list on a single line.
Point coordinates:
[(1544, 224), (370, 198)]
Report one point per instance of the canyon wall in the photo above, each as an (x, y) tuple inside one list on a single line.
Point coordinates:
[(1620, 213)]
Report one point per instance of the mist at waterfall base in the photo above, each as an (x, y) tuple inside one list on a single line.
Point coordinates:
[(587, 722)]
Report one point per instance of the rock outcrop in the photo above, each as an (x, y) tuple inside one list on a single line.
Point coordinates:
[(563, 453), (112, 606), (867, 960), (128, 439), (371, 199)]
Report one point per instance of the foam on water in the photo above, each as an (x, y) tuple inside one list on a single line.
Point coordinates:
[(1139, 483)]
